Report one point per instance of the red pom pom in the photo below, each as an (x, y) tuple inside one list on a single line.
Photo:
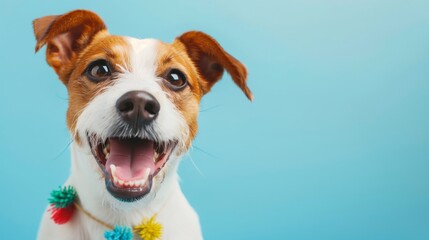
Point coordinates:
[(62, 215)]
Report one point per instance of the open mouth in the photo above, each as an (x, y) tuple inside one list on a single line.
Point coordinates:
[(130, 164)]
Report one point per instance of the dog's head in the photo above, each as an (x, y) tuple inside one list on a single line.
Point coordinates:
[(133, 103)]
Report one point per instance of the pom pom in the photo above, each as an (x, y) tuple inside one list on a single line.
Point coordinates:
[(119, 233), (61, 215), (63, 197), (62, 207), (149, 229)]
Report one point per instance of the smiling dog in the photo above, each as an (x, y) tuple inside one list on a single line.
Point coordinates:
[(133, 107)]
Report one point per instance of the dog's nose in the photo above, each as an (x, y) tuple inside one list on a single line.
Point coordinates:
[(137, 108)]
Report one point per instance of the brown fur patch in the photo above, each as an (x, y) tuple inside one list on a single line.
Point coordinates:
[(66, 36), (211, 59)]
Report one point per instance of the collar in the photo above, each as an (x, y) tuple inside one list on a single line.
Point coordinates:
[(64, 202)]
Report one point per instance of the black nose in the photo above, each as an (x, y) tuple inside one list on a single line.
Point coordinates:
[(138, 108)]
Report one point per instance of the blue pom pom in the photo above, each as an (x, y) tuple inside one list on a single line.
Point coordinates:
[(119, 233)]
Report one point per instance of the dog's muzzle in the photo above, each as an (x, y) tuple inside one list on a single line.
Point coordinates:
[(131, 157)]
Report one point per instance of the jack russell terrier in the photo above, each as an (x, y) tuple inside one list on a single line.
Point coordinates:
[(132, 113)]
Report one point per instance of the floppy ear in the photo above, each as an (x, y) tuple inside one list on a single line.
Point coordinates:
[(211, 60), (66, 35)]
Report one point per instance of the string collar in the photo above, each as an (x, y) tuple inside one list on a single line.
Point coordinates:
[(64, 203)]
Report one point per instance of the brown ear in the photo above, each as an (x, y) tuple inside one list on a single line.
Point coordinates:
[(66, 35), (211, 60)]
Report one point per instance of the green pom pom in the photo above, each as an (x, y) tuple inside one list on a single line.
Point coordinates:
[(63, 197), (119, 233)]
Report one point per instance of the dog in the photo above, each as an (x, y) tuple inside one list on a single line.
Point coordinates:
[(132, 113)]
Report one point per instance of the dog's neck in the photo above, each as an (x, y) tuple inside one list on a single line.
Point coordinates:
[(95, 198)]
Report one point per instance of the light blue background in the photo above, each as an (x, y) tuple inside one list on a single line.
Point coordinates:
[(335, 145)]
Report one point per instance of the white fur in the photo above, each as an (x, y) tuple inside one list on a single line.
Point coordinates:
[(165, 199)]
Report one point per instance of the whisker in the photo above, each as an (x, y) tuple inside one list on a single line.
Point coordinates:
[(195, 165), (63, 150), (205, 152), (211, 108)]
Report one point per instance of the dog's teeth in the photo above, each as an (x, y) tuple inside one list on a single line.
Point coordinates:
[(145, 177), (121, 182), (107, 155), (140, 183), (113, 170)]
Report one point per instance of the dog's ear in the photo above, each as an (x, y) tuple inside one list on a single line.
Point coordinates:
[(65, 36), (211, 60)]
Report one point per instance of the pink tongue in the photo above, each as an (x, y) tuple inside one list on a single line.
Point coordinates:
[(131, 157)]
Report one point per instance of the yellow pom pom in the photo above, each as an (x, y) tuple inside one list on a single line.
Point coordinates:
[(149, 229)]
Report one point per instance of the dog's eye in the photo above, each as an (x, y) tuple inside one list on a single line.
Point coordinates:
[(98, 71), (176, 79)]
